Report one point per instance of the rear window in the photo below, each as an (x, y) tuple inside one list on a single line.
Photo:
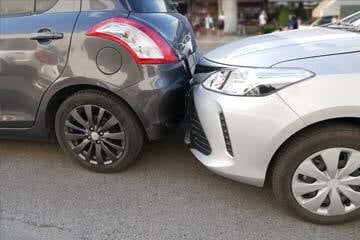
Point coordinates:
[(16, 7), (25, 7), (152, 6), (44, 5)]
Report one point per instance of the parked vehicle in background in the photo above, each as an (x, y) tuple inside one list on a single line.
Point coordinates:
[(320, 21), (284, 107), (100, 76), (328, 10)]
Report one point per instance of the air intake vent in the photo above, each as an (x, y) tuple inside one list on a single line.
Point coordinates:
[(198, 139)]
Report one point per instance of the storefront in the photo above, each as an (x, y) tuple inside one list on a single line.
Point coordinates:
[(231, 9), (249, 8)]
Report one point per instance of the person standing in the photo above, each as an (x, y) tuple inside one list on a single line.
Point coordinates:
[(221, 23), (197, 26), (293, 22), (263, 21), (209, 24), (242, 22)]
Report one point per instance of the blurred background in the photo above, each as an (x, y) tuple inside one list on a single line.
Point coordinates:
[(217, 18)]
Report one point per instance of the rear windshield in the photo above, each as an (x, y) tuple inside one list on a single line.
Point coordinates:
[(152, 6)]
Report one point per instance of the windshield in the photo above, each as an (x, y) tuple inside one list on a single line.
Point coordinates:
[(351, 23), (152, 6), (353, 19)]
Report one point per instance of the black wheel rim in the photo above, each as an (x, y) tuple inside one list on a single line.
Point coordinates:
[(95, 135)]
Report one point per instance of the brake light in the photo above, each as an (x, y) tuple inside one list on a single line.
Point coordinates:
[(144, 44)]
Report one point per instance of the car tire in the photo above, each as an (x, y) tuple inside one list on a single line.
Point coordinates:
[(80, 121), (288, 164)]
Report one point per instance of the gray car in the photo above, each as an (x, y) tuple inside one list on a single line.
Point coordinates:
[(285, 108), (100, 76)]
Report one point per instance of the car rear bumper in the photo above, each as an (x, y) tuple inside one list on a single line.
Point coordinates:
[(159, 98), (236, 137)]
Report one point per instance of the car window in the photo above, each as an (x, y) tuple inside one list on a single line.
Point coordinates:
[(353, 19), (44, 5), (356, 23), (16, 7), (350, 23), (25, 7), (151, 6), (324, 20)]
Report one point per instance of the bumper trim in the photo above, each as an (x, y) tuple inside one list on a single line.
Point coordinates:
[(195, 132), (225, 131)]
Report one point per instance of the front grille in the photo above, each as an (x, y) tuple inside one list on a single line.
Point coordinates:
[(198, 139)]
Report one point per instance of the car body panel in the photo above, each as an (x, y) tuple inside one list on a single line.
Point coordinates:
[(270, 49), (28, 67), (323, 97), (159, 97), (155, 93), (257, 128)]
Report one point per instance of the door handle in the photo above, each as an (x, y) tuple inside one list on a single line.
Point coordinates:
[(45, 36)]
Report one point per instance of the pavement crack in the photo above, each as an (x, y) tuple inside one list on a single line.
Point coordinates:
[(37, 225)]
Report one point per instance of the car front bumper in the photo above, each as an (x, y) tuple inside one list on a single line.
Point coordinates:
[(236, 137)]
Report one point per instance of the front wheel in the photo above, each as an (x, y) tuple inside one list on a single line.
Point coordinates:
[(99, 131), (318, 175)]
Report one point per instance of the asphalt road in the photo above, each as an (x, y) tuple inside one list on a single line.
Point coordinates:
[(166, 194)]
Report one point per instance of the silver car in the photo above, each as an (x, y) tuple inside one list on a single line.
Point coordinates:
[(285, 108)]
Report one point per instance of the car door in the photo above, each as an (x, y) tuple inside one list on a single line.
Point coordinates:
[(35, 39)]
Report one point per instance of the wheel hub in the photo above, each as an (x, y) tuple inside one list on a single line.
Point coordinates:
[(334, 184), (95, 136), (328, 182)]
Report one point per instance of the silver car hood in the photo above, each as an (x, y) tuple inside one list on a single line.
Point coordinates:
[(270, 49)]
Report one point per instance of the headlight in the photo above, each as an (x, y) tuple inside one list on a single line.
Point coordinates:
[(254, 81)]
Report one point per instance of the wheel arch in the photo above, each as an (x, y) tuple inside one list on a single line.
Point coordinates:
[(59, 96), (354, 121)]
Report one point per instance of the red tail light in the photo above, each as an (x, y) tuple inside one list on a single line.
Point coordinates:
[(144, 44)]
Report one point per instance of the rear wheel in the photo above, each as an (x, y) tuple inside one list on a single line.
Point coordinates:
[(318, 175), (99, 131)]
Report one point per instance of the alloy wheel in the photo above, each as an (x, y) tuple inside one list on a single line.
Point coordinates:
[(95, 135), (328, 182)]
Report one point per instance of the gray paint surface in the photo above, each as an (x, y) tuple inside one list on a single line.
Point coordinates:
[(31, 73), (27, 67)]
